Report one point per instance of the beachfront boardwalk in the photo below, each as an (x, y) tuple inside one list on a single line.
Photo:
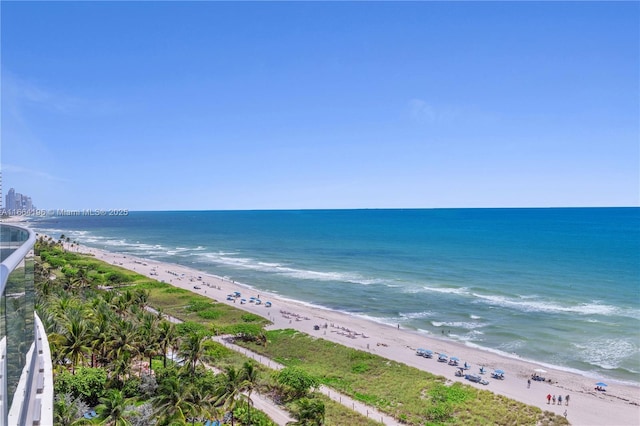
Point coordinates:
[(345, 400)]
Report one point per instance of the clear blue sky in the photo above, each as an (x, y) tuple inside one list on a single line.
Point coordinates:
[(207, 105)]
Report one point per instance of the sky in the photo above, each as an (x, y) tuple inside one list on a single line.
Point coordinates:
[(320, 105)]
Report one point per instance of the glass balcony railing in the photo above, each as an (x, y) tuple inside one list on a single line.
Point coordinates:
[(17, 343)]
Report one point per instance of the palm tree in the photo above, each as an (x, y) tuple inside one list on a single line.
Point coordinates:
[(122, 339), (122, 350), (73, 342), (113, 407), (122, 302), (66, 410), (121, 368), (230, 390), (167, 338), (172, 402), (193, 350), (201, 403), (81, 279), (141, 297), (309, 412), (147, 336), (101, 331), (249, 375), (61, 306)]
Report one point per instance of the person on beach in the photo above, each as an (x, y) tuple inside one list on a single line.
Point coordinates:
[(554, 400), (559, 399), (528, 383), (566, 400), (548, 399)]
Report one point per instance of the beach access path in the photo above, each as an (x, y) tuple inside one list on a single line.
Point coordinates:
[(267, 405), (345, 400), (260, 401), (618, 406)]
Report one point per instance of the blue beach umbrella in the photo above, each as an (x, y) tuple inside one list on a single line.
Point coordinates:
[(601, 384), (500, 371)]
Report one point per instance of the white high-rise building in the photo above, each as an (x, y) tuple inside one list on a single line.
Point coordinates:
[(11, 199)]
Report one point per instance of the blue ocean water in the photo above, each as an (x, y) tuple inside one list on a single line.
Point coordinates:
[(558, 286)]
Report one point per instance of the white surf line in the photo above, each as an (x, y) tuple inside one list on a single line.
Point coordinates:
[(357, 406)]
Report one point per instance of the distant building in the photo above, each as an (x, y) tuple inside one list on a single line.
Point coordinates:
[(26, 203), (17, 201), (11, 199)]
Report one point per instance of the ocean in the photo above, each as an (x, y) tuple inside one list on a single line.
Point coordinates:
[(556, 286)]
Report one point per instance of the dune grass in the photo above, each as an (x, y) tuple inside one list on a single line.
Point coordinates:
[(188, 306), (411, 395)]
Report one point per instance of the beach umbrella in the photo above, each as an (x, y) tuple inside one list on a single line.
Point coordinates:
[(601, 384), (454, 358), (500, 371)]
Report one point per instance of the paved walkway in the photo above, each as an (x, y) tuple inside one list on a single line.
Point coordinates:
[(277, 414), (260, 401), (345, 400)]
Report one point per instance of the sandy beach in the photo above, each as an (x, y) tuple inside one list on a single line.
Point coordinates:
[(618, 405)]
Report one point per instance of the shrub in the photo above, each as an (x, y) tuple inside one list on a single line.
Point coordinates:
[(87, 384), (297, 381), (209, 314)]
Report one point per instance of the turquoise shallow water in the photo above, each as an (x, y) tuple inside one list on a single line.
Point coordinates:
[(558, 286)]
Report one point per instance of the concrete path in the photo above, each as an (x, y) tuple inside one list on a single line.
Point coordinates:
[(345, 400), (277, 414), (261, 402)]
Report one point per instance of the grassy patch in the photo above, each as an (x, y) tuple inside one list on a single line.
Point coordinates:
[(413, 395), (337, 414)]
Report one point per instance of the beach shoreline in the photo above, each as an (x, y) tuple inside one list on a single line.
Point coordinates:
[(619, 405)]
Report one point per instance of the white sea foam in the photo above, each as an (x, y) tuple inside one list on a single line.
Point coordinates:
[(416, 315), (457, 324), (473, 335), (282, 269), (607, 353), (538, 305), (444, 290)]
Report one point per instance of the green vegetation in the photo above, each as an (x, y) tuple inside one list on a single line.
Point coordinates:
[(113, 354), (411, 395)]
